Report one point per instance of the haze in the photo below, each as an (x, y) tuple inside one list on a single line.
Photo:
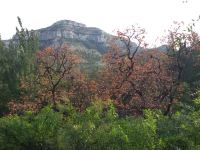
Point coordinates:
[(154, 15)]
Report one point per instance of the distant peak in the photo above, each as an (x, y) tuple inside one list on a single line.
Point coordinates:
[(67, 23)]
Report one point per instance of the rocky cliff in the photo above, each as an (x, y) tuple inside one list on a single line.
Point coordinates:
[(73, 33)]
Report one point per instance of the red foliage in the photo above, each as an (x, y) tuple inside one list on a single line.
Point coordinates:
[(55, 66), (135, 78)]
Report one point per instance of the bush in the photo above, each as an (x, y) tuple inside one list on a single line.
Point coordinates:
[(30, 131), (99, 127)]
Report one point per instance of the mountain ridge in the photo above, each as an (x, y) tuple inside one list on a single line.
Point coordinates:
[(75, 34), (71, 32)]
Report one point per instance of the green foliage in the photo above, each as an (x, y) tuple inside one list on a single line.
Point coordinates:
[(17, 61), (15, 132), (29, 131), (26, 46), (98, 127), (172, 132), (8, 76), (91, 62), (180, 131)]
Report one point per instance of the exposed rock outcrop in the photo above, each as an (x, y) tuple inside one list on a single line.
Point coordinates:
[(66, 31)]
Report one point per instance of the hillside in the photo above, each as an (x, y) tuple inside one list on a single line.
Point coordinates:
[(75, 34)]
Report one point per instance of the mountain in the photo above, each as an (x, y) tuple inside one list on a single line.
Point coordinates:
[(77, 35), (89, 42), (73, 33)]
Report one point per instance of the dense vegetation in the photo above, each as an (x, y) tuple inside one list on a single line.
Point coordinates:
[(134, 98)]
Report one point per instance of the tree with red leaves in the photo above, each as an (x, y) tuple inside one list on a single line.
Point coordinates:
[(55, 65), (182, 49), (134, 77)]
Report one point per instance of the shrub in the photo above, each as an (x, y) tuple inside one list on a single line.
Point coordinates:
[(30, 131)]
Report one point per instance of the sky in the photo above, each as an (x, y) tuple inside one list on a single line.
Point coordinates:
[(155, 16)]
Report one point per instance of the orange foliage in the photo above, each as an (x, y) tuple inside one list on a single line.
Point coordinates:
[(53, 67), (57, 80), (135, 78)]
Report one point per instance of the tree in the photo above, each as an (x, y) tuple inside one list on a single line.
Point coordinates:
[(55, 65), (5, 90), (26, 43), (136, 78), (183, 50), (18, 60)]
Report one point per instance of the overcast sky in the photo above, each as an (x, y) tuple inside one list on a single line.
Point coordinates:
[(154, 15)]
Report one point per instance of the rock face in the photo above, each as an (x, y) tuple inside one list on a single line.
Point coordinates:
[(66, 31), (80, 37)]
